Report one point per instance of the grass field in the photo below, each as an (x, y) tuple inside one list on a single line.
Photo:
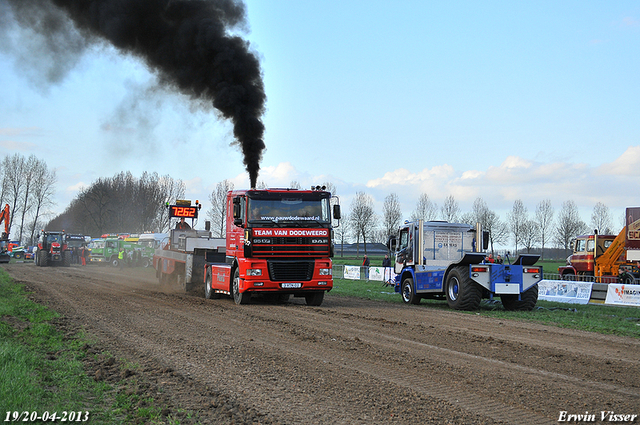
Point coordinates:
[(42, 369)]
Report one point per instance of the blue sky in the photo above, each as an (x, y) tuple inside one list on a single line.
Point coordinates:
[(499, 100)]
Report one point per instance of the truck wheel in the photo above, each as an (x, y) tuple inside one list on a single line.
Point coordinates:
[(209, 293), (239, 298), (462, 292), (527, 301), (115, 262), (408, 292), (314, 298), (18, 255), (66, 258)]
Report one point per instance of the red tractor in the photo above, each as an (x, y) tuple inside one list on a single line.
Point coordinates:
[(52, 249)]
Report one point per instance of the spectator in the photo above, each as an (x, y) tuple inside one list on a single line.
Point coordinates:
[(365, 264), (387, 261)]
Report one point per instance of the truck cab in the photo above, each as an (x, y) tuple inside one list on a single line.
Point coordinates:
[(585, 249), (437, 259), (279, 242)]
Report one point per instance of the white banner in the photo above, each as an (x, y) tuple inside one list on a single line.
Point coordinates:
[(618, 294), (352, 272), (376, 273), (564, 291)]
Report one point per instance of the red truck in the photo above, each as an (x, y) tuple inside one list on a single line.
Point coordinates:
[(279, 242)]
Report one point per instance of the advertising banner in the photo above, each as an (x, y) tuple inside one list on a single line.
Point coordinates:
[(619, 294), (352, 272), (564, 292), (383, 274)]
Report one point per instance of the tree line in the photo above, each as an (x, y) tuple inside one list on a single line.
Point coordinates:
[(525, 231), (28, 187), (121, 204), (124, 203)]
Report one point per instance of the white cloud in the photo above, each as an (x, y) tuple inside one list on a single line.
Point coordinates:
[(627, 164)]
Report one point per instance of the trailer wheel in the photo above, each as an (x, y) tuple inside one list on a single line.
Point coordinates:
[(314, 298), (462, 292), (239, 298), (408, 292), (209, 293), (527, 301)]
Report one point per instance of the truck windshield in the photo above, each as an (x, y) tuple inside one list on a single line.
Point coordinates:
[(97, 244), (300, 210), (147, 243)]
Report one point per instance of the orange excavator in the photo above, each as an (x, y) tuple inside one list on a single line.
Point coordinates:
[(4, 239)]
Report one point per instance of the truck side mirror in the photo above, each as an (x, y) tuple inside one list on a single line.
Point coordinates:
[(391, 243), (336, 212), (207, 225)]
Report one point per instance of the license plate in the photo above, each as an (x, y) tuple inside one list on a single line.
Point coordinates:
[(290, 285)]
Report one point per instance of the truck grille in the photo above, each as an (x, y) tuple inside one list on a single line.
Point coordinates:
[(290, 270)]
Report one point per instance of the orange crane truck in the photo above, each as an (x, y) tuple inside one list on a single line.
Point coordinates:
[(607, 258)]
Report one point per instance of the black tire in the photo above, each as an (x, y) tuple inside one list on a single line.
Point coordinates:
[(284, 298), (115, 261), (462, 292), (146, 262), (44, 258), (408, 292), (239, 298), (314, 298), (66, 258), (18, 255), (527, 301)]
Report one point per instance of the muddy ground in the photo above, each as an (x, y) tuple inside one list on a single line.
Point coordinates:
[(349, 361)]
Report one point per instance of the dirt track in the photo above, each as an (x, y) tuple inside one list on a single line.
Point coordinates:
[(349, 361)]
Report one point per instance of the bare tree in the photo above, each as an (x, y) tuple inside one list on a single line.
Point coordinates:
[(450, 209), (171, 190), (529, 234), (42, 197), (544, 219), (218, 211), (426, 210), (392, 215), (490, 222), (517, 218), (330, 187), (342, 232), (569, 225), (14, 166), (601, 219), (363, 218)]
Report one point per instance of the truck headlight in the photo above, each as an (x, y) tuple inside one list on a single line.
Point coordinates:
[(254, 272), (325, 272)]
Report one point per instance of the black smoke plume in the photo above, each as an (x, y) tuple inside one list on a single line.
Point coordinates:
[(188, 43)]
